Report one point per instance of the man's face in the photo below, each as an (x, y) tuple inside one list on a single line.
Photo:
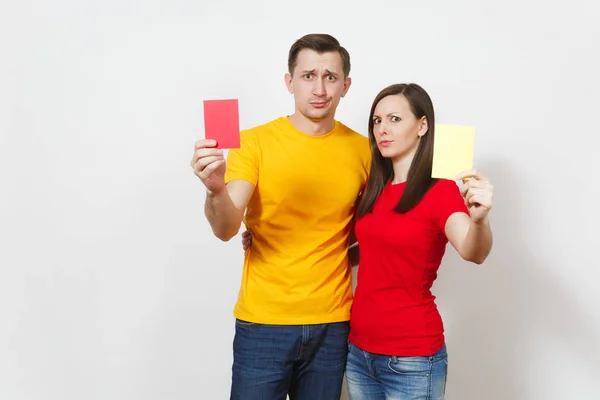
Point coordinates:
[(317, 83)]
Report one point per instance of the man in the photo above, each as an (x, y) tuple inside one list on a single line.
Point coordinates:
[(294, 182)]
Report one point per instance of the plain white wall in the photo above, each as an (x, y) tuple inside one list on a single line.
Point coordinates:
[(111, 284)]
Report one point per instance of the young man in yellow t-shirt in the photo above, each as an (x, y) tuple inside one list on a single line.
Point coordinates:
[(294, 183)]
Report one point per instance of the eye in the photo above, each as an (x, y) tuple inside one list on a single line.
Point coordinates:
[(376, 120), (331, 77), (307, 76), (395, 118)]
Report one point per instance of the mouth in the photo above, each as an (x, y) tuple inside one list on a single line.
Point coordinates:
[(385, 143), (319, 104)]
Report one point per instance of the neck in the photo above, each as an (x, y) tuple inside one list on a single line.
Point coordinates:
[(311, 127), (401, 166)]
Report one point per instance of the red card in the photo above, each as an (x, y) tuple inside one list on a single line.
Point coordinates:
[(222, 122)]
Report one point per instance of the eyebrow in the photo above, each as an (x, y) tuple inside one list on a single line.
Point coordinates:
[(388, 114), (312, 72)]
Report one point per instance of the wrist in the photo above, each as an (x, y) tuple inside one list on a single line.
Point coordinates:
[(214, 193), (482, 222)]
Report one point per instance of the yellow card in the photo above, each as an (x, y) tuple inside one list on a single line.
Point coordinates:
[(453, 149)]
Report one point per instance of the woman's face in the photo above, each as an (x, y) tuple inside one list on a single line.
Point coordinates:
[(395, 128)]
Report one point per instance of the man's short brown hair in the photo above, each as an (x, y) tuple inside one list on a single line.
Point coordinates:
[(321, 43)]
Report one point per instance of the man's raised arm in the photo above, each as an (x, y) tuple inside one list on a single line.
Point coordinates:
[(225, 203), (225, 209)]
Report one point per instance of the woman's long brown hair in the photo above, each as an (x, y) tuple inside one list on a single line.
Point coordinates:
[(419, 179)]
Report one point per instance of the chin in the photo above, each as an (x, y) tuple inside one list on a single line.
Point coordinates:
[(317, 114), (387, 152)]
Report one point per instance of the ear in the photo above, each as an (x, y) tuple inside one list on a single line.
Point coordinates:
[(423, 127), (288, 83), (347, 84)]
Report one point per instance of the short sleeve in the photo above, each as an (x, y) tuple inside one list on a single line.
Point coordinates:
[(242, 163), (446, 200)]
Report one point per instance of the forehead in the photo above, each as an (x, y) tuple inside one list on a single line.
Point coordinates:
[(309, 60), (395, 103)]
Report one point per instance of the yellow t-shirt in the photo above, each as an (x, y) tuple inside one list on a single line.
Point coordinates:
[(300, 214)]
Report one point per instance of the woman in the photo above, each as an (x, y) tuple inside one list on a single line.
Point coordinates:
[(404, 220)]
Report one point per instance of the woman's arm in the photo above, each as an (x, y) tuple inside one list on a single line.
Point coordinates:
[(471, 235), (472, 240)]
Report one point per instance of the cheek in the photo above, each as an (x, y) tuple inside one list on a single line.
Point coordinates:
[(335, 89), (405, 139), (405, 135), (301, 93)]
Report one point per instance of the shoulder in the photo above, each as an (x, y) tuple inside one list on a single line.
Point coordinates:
[(261, 129), (443, 191), (445, 199), (444, 187), (356, 140), (258, 134), (445, 184), (352, 134)]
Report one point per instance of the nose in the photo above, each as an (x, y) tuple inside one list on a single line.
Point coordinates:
[(319, 88), (380, 129)]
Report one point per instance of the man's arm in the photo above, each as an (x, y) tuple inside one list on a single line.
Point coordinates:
[(225, 209)]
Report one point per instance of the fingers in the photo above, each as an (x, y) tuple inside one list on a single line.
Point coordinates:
[(476, 190), (204, 143), (475, 183), (479, 197), (479, 200), (204, 162), (209, 169), (246, 239), (205, 152), (472, 193), (204, 148), (471, 174), (204, 157)]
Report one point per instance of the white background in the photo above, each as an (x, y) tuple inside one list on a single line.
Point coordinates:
[(111, 283)]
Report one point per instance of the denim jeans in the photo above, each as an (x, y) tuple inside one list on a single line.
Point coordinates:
[(305, 362), (379, 377)]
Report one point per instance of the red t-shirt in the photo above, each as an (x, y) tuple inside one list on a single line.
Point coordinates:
[(394, 312)]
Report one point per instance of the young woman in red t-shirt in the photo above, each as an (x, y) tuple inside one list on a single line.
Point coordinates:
[(404, 221)]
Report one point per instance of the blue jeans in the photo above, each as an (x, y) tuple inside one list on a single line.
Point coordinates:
[(378, 377), (305, 362)]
